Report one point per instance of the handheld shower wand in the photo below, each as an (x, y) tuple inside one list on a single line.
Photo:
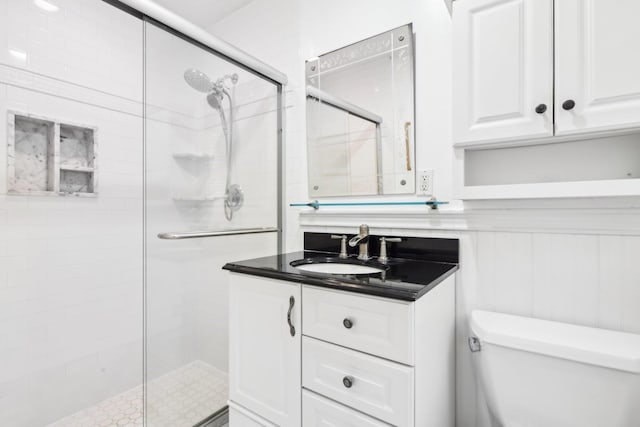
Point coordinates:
[(216, 92)]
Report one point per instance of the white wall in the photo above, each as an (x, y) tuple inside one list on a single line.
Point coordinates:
[(569, 260), (291, 31), (328, 25), (71, 268)]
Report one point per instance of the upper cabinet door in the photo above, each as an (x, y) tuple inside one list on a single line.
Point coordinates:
[(597, 65), (503, 70)]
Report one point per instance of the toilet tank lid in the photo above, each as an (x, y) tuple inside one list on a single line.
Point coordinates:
[(601, 347)]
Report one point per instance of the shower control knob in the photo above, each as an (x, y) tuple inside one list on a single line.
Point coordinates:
[(347, 381), (348, 323), (541, 109)]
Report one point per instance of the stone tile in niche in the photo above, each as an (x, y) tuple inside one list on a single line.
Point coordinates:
[(76, 181), (32, 155), (76, 146)]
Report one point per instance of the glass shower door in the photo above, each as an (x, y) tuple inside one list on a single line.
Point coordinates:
[(211, 164)]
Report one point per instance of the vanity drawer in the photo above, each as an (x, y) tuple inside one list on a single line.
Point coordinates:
[(320, 412), (375, 386), (379, 326)]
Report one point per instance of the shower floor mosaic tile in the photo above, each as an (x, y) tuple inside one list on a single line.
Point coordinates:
[(180, 398), (186, 396)]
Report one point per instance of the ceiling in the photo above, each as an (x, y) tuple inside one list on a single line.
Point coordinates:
[(203, 12)]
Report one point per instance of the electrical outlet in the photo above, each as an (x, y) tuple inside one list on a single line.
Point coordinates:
[(424, 182)]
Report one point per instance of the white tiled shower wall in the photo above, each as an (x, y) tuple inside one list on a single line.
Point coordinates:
[(71, 289), (582, 270), (71, 268)]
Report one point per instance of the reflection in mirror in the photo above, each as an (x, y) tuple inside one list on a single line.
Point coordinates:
[(360, 115)]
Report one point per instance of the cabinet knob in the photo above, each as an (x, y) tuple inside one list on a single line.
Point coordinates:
[(540, 109), (347, 381), (568, 104), (347, 323)]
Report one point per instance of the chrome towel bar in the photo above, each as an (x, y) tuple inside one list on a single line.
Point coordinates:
[(199, 234)]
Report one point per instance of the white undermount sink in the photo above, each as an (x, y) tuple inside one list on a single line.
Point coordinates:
[(338, 268)]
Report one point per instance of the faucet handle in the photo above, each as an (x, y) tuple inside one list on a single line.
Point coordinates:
[(343, 244), (383, 258), (391, 239)]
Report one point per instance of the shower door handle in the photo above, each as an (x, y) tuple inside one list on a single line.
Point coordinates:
[(200, 234), (292, 329)]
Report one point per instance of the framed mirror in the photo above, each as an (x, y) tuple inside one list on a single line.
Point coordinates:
[(360, 117)]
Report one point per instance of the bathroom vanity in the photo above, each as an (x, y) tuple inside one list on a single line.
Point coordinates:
[(309, 348)]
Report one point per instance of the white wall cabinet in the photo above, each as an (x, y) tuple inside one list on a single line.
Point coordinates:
[(503, 69), (345, 378), (597, 65), (264, 352), (546, 98), (504, 59)]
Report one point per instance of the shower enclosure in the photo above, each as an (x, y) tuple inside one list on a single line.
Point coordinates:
[(139, 160), (212, 156)]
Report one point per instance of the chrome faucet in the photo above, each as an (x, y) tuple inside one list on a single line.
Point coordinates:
[(362, 239)]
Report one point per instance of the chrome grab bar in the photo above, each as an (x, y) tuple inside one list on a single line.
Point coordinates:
[(199, 234)]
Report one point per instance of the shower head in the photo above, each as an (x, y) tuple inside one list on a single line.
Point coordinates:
[(198, 80), (202, 83)]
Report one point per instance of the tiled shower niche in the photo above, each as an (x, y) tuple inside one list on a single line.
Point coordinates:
[(46, 157)]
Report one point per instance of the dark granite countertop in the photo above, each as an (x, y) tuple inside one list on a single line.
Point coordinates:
[(404, 279)]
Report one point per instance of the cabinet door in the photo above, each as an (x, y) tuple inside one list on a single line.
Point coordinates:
[(597, 65), (503, 70), (264, 357)]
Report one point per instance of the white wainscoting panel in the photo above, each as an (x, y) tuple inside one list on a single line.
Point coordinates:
[(565, 278), (619, 283), (507, 286)]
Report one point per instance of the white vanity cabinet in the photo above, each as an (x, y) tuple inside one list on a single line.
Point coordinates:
[(357, 360), (506, 53), (264, 352)]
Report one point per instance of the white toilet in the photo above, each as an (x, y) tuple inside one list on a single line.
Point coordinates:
[(537, 373)]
